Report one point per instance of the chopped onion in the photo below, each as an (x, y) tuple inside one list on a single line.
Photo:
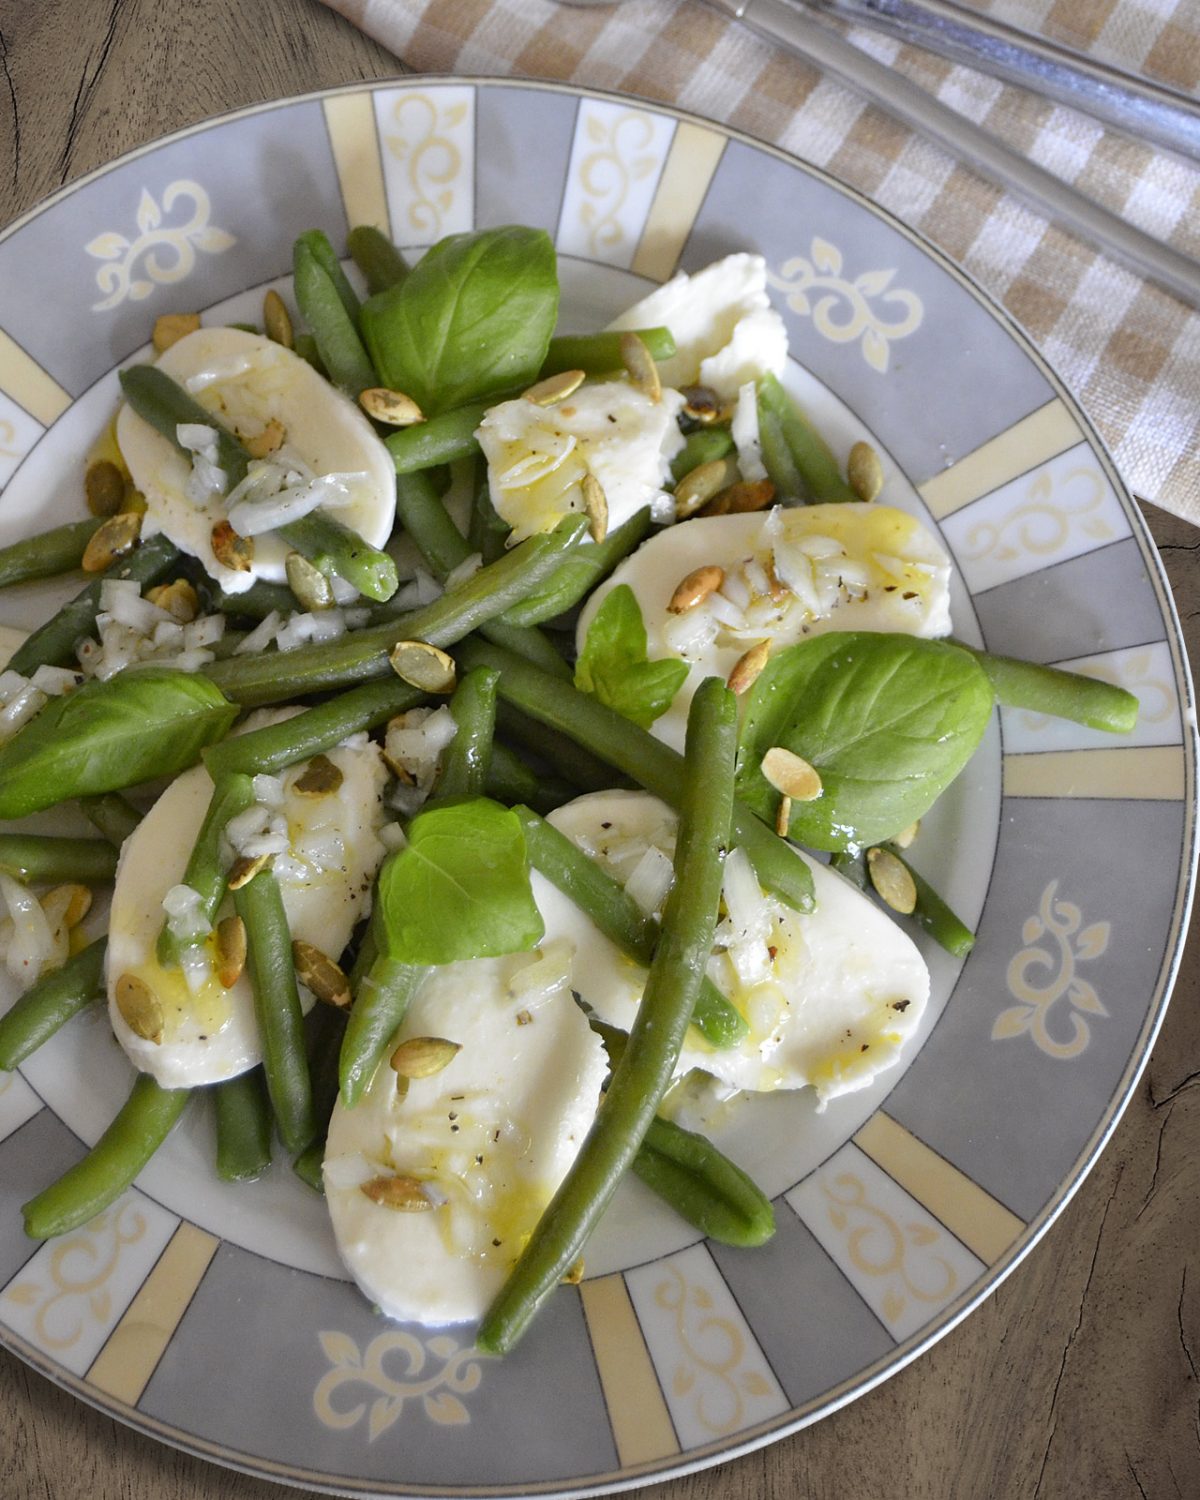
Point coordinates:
[(469, 566), (546, 976), (32, 941), (261, 636), (744, 431), (650, 880), (750, 912)]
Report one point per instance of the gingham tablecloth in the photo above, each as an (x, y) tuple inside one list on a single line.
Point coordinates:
[(1130, 352)]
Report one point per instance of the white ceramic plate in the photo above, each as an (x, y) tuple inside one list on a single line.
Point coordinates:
[(217, 1318)]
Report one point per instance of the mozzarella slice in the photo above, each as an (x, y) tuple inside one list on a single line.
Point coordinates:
[(832, 1007), (538, 456), (246, 382), (490, 1138), (726, 332), (334, 852), (787, 575)]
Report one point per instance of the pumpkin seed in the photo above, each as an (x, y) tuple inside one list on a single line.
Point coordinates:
[(699, 485), (643, 372), (555, 387), (320, 777), (741, 498), (278, 321), (393, 408), (695, 588), (266, 442), (229, 549), (139, 1008), (783, 817), (893, 880), (595, 506), (423, 1056), (748, 667), (791, 774), (104, 486), (423, 666), (245, 867), (231, 950), (67, 905), (318, 971), (308, 583), (864, 471), (404, 1194), (701, 403), (179, 599), (111, 539), (171, 327)]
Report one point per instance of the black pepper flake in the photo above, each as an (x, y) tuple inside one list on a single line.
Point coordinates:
[(454, 1128), (866, 1047), (497, 1243), (901, 1005), (453, 1114), (606, 826), (908, 594)]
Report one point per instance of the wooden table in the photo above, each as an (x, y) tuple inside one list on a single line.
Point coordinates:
[(1080, 1376)]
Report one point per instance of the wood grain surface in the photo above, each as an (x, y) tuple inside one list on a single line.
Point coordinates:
[(1080, 1376)]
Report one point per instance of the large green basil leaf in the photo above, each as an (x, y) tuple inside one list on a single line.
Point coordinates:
[(460, 888), (613, 667), (473, 319), (887, 720), (137, 726)]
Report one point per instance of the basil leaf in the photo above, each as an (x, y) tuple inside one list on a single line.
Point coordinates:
[(613, 668), (887, 720), (473, 319), (139, 725), (460, 889)]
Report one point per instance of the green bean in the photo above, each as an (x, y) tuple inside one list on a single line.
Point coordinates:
[(573, 762), (157, 399), (815, 463), (468, 755), (338, 343), (419, 509), (112, 814), (326, 1030), (600, 353), (205, 873), (619, 918), (141, 1126), (580, 574), (692, 1176), (50, 1003), (437, 440), (487, 532), (43, 856), (274, 747), (622, 744), (777, 459), (335, 548), (379, 1007), (306, 348), (318, 245), (642, 1076), (243, 1114), (703, 1186), (443, 548), (55, 642), (277, 1007), (376, 257), (703, 446), (933, 916), (47, 554), (362, 655), (259, 600), (511, 780), (1061, 694), (853, 865)]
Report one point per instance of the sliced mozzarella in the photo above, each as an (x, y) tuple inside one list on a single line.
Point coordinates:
[(789, 574), (831, 1006), (247, 382), (325, 878), (538, 456), (490, 1138), (725, 330)]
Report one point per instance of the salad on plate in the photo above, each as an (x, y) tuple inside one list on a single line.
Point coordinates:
[(523, 736)]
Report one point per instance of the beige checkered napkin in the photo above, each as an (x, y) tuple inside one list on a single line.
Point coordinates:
[(1129, 352)]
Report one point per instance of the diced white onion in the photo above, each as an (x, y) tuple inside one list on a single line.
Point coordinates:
[(392, 836), (32, 941), (54, 681), (650, 880), (750, 912), (547, 975), (261, 636), (469, 566), (19, 710), (268, 790), (744, 431)]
